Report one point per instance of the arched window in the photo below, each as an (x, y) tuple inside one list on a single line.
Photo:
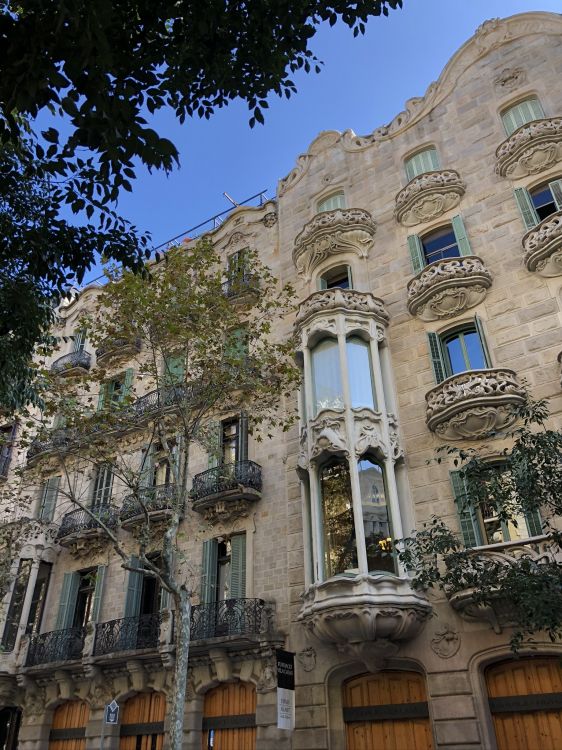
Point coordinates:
[(340, 548), (360, 373), (520, 114), (376, 516), (326, 376), (331, 202)]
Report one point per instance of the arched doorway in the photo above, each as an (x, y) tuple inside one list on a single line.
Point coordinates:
[(386, 710), (229, 717), (68, 730), (10, 719), (526, 703), (142, 722)]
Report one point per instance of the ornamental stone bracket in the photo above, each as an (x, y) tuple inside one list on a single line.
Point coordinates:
[(542, 247), (448, 287), (531, 149), (365, 616), (472, 404), (331, 232), (428, 196), (328, 435)]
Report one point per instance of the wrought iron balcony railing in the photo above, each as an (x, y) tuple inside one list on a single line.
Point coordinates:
[(59, 438), (71, 361), (80, 520), (58, 645), (239, 285), (226, 478), (127, 634), (158, 498), (113, 345), (229, 618)]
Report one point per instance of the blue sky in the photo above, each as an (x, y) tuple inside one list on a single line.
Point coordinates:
[(364, 83)]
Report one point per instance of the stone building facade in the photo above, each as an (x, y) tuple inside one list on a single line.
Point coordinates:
[(427, 258)]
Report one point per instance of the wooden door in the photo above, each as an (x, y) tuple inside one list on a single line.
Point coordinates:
[(387, 710), (526, 703), (68, 731), (229, 717), (142, 722)]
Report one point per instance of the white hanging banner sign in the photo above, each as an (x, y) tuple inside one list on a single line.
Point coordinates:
[(285, 689)]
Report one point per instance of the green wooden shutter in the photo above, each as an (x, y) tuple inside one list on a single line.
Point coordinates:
[(331, 202), (127, 383), (243, 437), (526, 208), (209, 571), (468, 518), (424, 161), (147, 471), (482, 337), (437, 358), (67, 603), (103, 397), (79, 341), (174, 368), (134, 589), (417, 255), (49, 499), (522, 113), (534, 522), (460, 235), (98, 593), (215, 447), (238, 566), (556, 190)]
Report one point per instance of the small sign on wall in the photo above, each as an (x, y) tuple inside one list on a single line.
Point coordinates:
[(111, 713), (285, 689)]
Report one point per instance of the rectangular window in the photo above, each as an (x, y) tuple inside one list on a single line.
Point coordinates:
[(7, 436), (79, 341), (331, 202), (458, 351), (520, 114), (450, 241), (48, 499), (113, 392), (424, 161), (16, 606), (539, 203), (103, 485), (339, 277), (224, 569), (38, 600)]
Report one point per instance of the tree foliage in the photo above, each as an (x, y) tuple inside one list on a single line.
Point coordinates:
[(524, 590)]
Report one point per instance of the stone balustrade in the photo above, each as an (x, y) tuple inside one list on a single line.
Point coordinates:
[(531, 149), (542, 246), (428, 196), (340, 300)]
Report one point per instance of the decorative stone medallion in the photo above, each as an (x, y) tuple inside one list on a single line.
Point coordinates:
[(428, 196), (445, 642)]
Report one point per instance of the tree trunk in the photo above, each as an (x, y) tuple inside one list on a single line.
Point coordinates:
[(183, 633)]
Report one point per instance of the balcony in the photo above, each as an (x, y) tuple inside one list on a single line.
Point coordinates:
[(473, 404), (364, 616), (240, 286), (240, 619), (532, 148), (500, 612), (428, 196), (330, 233), (58, 645), (128, 634), (114, 349), (83, 533), (74, 363), (227, 491), (345, 301), (58, 439), (542, 246), (448, 287), (156, 502)]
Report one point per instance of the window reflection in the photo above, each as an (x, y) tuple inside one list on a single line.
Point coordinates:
[(326, 376), (359, 373), (376, 516), (340, 548)]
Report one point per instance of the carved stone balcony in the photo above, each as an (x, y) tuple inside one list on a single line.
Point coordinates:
[(428, 196), (82, 532), (157, 502), (227, 491), (448, 287), (542, 246), (329, 233), (74, 363), (500, 611), (365, 616), (345, 301), (532, 148), (114, 349), (472, 404)]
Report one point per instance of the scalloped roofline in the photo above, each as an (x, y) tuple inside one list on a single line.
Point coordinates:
[(487, 37)]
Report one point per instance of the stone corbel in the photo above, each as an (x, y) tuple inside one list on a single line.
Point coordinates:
[(139, 676), (67, 688), (373, 654), (222, 664)]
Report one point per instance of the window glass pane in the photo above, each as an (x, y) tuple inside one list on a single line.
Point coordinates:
[(423, 161), (336, 277), (465, 352), (543, 201), (336, 200), (326, 376), (440, 244), (475, 353), (340, 549), (359, 373), (456, 357), (376, 517)]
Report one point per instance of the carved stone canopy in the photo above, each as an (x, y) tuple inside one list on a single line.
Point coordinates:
[(472, 404), (532, 148), (345, 301), (428, 196), (542, 246), (448, 287), (343, 230)]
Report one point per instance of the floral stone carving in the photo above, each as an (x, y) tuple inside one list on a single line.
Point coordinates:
[(332, 232), (542, 246), (428, 196), (365, 616), (530, 149), (328, 435), (340, 300), (448, 287), (471, 404)]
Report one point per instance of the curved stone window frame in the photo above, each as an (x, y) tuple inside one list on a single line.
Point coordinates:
[(331, 201), (422, 160), (514, 114)]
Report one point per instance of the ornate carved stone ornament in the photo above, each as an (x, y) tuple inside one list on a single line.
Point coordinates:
[(270, 219), (448, 287), (268, 678), (510, 79), (366, 616), (307, 659), (328, 435), (472, 404), (368, 433), (237, 239), (227, 511), (446, 641), (542, 246), (89, 547), (533, 147), (332, 232), (345, 301), (302, 459), (428, 196), (491, 34)]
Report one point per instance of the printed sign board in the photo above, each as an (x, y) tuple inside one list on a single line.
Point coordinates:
[(285, 689), (111, 714)]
